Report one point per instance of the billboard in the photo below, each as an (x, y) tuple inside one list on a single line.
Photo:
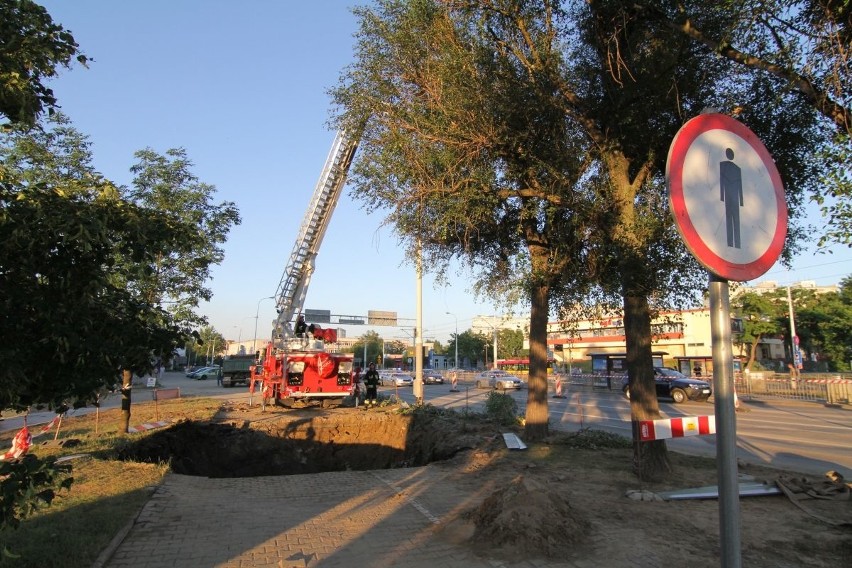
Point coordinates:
[(317, 316), (376, 317)]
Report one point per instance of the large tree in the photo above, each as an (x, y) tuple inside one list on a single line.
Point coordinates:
[(761, 315), (32, 48), (472, 347), (634, 83), (89, 289), (178, 281), (530, 137), (474, 157), (68, 246), (173, 279)]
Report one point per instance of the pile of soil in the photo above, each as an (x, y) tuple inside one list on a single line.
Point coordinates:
[(524, 519)]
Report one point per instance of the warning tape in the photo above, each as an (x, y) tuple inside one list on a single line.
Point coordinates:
[(23, 439), (20, 445), (48, 427), (147, 426), (676, 427)]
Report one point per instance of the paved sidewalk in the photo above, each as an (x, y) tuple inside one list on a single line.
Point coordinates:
[(387, 518), (347, 519)]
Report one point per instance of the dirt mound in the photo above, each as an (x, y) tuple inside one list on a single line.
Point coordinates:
[(524, 519)]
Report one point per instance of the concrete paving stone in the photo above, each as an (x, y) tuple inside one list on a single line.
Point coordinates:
[(329, 520)]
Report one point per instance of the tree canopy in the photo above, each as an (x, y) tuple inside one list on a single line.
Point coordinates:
[(82, 267), (529, 139), (32, 48), (178, 280), (821, 321)]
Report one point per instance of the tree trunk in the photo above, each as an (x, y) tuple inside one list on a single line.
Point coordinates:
[(536, 428), (650, 459), (126, 386), (752, 353)]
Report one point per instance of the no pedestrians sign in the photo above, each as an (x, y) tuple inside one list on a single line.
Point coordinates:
[(726, 197)]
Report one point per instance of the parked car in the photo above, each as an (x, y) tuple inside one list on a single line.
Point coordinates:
[(498, 379), (675, 385), (432, 377), (204, 372), (385, 376), (398, 379)]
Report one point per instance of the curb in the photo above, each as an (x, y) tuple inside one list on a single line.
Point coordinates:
[(107, 553)]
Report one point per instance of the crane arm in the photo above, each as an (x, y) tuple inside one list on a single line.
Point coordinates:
[(293, 286)]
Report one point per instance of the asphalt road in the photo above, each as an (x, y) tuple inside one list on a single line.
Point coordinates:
[(808, 437), (803, 436)]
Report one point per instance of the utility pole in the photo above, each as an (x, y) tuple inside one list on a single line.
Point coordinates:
[(794, 339), (456, 360), (418, 330), (256, 315)]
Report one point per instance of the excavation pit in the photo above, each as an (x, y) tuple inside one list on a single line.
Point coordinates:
[(309, 441)]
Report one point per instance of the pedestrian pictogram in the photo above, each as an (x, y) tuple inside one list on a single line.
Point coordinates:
[(726, 197)]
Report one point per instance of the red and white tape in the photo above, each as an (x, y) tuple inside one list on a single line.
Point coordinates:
[(676, 427)]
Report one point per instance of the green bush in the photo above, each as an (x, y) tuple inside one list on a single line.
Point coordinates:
[(501, 408)]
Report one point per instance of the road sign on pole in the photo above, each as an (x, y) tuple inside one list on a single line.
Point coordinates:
[(726, 197), (728, 203)]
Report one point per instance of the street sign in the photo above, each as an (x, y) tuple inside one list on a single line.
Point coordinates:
[(726, 197)]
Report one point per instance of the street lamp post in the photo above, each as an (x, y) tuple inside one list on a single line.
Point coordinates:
[(256, 315), (456, 362), (495, 347)]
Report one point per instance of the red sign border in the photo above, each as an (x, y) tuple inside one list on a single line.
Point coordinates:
[(674, 165)]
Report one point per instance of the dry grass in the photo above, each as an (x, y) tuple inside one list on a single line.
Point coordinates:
[(106, 493)]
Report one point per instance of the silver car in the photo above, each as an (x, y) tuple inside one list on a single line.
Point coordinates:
[(398, 379), (497, 379), (385, 377)]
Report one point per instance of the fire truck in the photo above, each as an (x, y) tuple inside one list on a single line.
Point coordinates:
[(295, 368)]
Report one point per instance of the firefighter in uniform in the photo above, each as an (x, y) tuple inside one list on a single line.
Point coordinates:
[(371, 381)]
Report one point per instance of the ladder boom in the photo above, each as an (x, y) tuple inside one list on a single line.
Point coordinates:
[(293, 286)]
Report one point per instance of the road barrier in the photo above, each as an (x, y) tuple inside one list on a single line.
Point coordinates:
[(558, 388), (166, 394), (455, 383), (684, 426)]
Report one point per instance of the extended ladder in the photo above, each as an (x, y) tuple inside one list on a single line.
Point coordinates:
[(293, 287)]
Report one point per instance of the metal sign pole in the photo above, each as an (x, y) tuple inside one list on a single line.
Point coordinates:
[(726, 424)]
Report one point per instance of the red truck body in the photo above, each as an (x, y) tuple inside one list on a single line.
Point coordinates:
[(303, 375)]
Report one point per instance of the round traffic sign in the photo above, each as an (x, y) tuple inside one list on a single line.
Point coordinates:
[(726, 197)]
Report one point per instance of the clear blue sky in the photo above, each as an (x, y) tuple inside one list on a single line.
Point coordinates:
[(242, 86)]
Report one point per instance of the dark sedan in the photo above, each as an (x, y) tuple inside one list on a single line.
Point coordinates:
[(676, 386), (432, 377)]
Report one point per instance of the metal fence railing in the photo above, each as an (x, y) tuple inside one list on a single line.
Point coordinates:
[(829, 388)]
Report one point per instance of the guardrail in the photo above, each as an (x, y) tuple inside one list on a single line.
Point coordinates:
[(828, 388)]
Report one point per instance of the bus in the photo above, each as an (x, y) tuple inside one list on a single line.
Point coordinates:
[(521, 365)]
